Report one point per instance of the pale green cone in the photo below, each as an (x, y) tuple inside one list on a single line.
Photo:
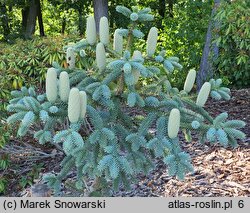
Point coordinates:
[(51, 85), (173, 123), (203, 94), (152, 41), (91, 30), (104, 30), (190, 79), (71, 58), (168, 85), (74, 109), (118, 42), (137, 55), (100, 56), (136, 73), (64, 86), (83, 103)]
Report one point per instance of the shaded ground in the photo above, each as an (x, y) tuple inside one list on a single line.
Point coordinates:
[(218, 171)]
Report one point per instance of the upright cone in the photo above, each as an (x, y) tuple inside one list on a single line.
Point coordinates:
[(91, 30), (137, 55), (104, 30), (118, 42), (71, 58), (100, 56), (152, 41), (173, 123), (83, 103), (74, 108), (51, 85), (64, 86), (190, 79), (203, 94)]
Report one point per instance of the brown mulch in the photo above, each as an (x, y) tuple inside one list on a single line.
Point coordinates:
[(218, 171)]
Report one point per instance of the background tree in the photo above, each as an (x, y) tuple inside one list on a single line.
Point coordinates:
[(40, 18), (171, 8), (30, 11), (206, 65), (162, 8), (100, 10), (4, 20), (29, 18), (81, 7)]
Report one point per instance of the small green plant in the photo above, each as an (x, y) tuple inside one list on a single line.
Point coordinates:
[(28, 179), (87, 112), (3, 184), (4, 164), (5, 133)]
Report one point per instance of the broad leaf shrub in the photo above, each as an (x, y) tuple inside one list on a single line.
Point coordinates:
[(89, 113), (233, 40), (5, 134), (25, 62)]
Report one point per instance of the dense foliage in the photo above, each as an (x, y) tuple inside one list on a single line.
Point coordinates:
[(26, 62), (232, 37), (108, 122), (58, 17), (184, 35)]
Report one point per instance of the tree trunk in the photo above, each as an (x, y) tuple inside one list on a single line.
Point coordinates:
[(40, 18), (162, 8), (63, 25), (5, 21), (206, 65), (81, 24), (100, 10), (31, 19), (25, 12), (216, 25), (171, 8)]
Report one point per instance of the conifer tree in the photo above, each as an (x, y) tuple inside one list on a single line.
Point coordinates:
[(86, 112)]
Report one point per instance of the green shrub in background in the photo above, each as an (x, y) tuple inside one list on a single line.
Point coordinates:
[(234, 42), (184, 35), (5, 134), (26, 62)]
